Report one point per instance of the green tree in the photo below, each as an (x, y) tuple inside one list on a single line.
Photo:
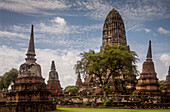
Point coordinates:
[(1, 82), (71, 89), (113, 61), (8, 78), (161, 83)]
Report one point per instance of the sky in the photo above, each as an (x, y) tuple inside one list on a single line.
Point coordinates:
[(65, 28)]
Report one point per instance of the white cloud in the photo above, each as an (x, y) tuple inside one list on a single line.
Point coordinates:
[(97, 9), (147, 30), (165, 58), (59, 21), (59, 25), (11, 34), (133, 27), (32, 6), (13, 58), (56, 32), (154, 34), (64, 64), (139, 66), (10, 58), (143, 10), (135, 13), (140, 10), (163, 31), (20, 28)]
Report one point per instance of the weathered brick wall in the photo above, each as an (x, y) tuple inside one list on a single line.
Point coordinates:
[(3, 96), (27, 107), (127, 100)]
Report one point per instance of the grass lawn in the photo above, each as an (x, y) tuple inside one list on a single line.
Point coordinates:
[(108, 110)]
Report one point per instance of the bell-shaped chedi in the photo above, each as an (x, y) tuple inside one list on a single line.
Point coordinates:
[(53, 82), (148, 82), (30, 67), (79, 81), (166, 86), (29, 93)]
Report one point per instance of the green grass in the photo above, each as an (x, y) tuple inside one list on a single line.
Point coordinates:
[(108, 110)]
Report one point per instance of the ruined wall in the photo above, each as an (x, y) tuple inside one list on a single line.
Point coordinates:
[(3, 96), (132, 101), (27, 107)]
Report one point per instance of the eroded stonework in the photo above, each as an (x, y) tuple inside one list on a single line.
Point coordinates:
[(148, 82), (29, 93), (113, 34), (53, 82), (166, 89), (79, 81), (113, 30), (166, 86)]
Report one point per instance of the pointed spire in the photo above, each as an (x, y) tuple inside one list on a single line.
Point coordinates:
[(149, 54), (78, 77), (31, 49), (169, 71), (53, 66)]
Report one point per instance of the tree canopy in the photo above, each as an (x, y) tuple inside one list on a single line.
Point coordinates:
[(8, 78), (71, 89), (113, 61)]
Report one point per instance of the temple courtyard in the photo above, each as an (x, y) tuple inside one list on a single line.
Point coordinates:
[(108, 78)]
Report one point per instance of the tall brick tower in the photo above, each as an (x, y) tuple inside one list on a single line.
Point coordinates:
[(113, 30), (148, 82), (114, 34)]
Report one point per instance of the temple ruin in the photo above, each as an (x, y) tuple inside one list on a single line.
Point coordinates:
[(166, 88), (53, 82), (29, 93), (114, 34), (148, 82), (79, 81), (113, 30)]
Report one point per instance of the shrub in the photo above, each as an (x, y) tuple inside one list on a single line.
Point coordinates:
[(87, 103), (109, 102), (71, 89), (93, 104)]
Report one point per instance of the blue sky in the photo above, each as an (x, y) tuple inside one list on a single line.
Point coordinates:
[(65, 28)]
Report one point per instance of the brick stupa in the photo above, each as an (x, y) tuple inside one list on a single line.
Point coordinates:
[(29, 93), (166, 86), (148, 82), (79, 81), (53, 82)]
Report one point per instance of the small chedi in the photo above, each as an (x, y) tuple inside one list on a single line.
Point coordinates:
[(29, 93), (53, 82), (148, 82), (79, 81), (166, 88), (114, 34)]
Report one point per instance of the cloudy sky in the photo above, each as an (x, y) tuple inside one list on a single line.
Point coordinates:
[(65, 28)]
